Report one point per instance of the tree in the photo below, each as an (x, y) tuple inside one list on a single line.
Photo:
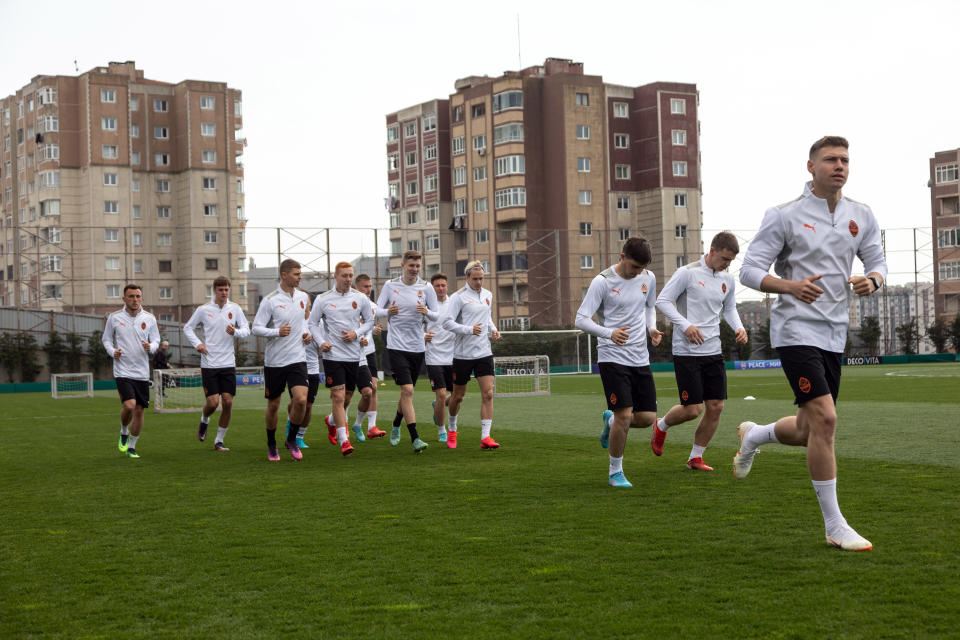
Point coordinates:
[(870, 334), (939, 334), (74, 353), (29, 366), (56, 350), (10, 354), (907, 334), (763, 346), (97, 356), (663, 352), (955, 334)]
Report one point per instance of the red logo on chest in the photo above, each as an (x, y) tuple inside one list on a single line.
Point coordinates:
[(230, 316), (488, 302), (854, 229), (723, 287), (354, 305), (143, 325), (643, 288), (301, 304)]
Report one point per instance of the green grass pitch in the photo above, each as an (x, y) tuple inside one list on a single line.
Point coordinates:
[(524, 542)]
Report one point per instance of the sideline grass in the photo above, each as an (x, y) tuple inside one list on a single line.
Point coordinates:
[(527, 541)]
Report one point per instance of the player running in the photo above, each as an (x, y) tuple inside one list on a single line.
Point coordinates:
[(367, 407), (312, 352), (439, 356), (223, 322), (130, 336), (623, 298), (693, 300)]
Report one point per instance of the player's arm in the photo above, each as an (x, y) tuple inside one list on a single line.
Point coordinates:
[(450, 318), (315, 324), (190, 329), (153, 333), (588, 308), (650, 315), (262, 321), (242, 329), (874, 264), (106, 338), (366, 312), (383, 303), (763, 250), (730, 314), (667, 300)]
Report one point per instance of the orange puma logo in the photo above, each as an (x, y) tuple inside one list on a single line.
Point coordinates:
[(812, 227)]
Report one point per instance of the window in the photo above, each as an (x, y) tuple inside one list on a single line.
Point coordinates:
[(430, 152), (621, 110), (433, 212), (108, 124), (211, 237), (161, 133), (583, 165), (113, 291), (237, 108), (109, 152), (241, 238), (240, 214), (241, 265), (164, 239), (586, 262), (679, 168), (49, 208), (165, 266), (33, 213), (394, 189), (429, 122), (509, 165), (507, 100), (679, 137), (413, 216), (137, 239), (168, 317), (583, 99), (241, 291), (46, 124), (512, 132), (481, 236), (108, 95), (393, 133), (208, 129), (135, 157), (136, 212), (460, 207), (395, 248), (134, 131), (51, 235), (412, 188), (209, 210), (163, 186), (240, 186), (208, 157), (111, 235), (950, 270), (513, 197), (410, 130), (947, 173), (947, 238), (680, 231), (624, 234), (47, 95), (111, 263), (585, 196), (586, 229), (430, 183), (160, 105), (621, 141), (413, 245), (109, 179), (623, 203), (393, 162), (433, 242), (162, 159), (50, 152), (458, 145), (210, 264), (478, 110), (207, 103), (394, 219), (135, 186), (622, 172), (678, 106), (53, 291), (137, 265), (166, 293), (679, 262), (163, 213), (479, 173), (480, 205), (680, 200), (479, 142), (208, 183), (411, 158), (111, 206), (134, 104), (459, 176), (51, 263), (583, 132)]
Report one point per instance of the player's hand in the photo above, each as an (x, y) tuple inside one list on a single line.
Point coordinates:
[(377, 329), (655, 336), (285, 330), (325, 347), (477, 329), (393, 309), (422, 308), (428, 336), (805, 291), (862, 285), (231, 329), (145, 344), (495, 334), (741, 336), (620, 335), (364, 342), (693, 335), (117, 353), (348, 336), (307, 338), (202, 349)]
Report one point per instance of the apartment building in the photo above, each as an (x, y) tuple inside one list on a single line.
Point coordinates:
[(945, 217), (109, 177), (549, 171)]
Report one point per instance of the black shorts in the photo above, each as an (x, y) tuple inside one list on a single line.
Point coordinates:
[(363, 377), (700, 378), (313, 385), (478, 367), (339, 373), (137, 389), (441, 376), (628, 387), (811, 372), (372, 365), (406, 365), (277, 378), (220, 380)]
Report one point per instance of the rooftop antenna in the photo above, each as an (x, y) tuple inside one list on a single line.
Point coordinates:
[(76, 68), (519, 59)]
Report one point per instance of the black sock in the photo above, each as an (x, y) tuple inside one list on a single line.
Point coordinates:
[(292, 434), (272, 437), (412, 428), (398, 419)]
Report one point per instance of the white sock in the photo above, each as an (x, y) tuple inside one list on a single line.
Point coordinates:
[(221, 434), (616, 465), (371, 419), (302, 431), (124, 431), (662, 424), (696, 452), (132, 442), (827, 496), (341, 434), (204, 419), (761, 434), (359, 421), (453, 424), (485, 428)]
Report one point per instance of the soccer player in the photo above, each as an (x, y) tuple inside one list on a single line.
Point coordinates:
[(469, 317), (335, 323), (398, 302), (439, 356), (130, 336), (623, 297), (312, 352), (693, 301), (281, 319), (367, 407), (812, 241), (223, 322)]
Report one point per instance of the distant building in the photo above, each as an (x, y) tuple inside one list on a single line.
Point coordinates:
[(945, 215), (894, 306)]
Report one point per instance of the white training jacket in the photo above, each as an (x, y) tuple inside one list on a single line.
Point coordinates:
[(127, 333), (332, 314), (803, 238), (405, 330), (277, 309), (441, 345), (312, 352), (371, 345), (620, 303), (696, 295), (466, 308), (214, 319)]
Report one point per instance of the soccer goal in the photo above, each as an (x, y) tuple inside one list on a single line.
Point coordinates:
[(569, 350), (71, 385), (521, 376), (181, 390)]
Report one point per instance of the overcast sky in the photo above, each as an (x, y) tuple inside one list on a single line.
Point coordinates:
[(317, 81)]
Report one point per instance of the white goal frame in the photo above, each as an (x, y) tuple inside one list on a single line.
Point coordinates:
[(517, 367), (583, 350), (60, 395), (195, 401)]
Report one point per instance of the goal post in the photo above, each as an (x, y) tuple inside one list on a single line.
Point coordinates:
[(181, 390), (71, 385), (569, 350), (517, 376)]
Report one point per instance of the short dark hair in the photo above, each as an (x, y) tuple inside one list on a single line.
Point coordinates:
[(361, 278), (638, 249), (725, 240), (132, 286), (828, 141), (289, 265), (438, 276), (221, 281), (411, 255)]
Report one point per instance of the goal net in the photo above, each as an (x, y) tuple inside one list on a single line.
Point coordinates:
[(521, 376), (569, 350), (71, 385), (181, 390)]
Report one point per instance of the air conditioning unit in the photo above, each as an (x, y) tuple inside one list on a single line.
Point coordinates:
[(482, 151)]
